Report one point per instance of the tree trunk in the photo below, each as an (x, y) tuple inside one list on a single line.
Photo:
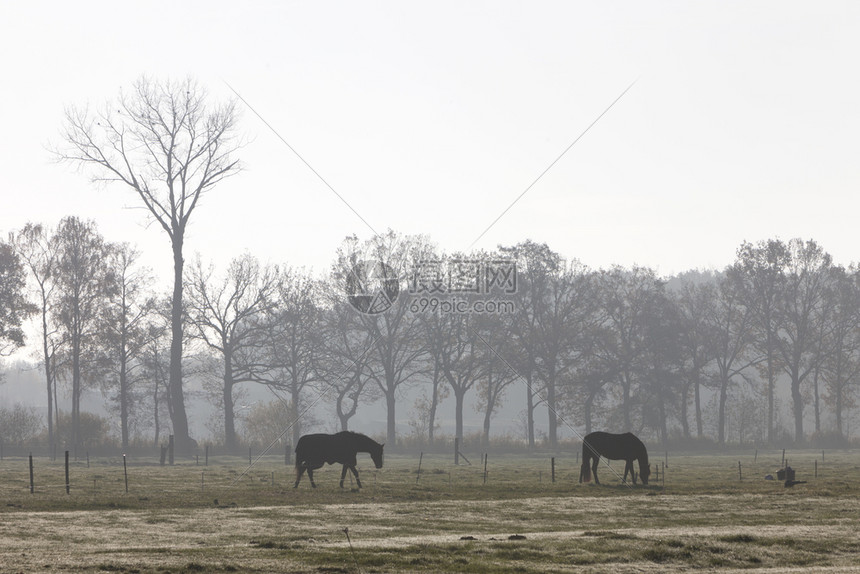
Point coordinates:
[(459, 395), (391, 429), (530, 413), (229, 419), (797, 406), (48, 374), (698, 400), (123, 396), (685, 424), (177, 397), (770, 391), (434, 402), (294, 413), (816, 402), (552, 415), (721, 413)]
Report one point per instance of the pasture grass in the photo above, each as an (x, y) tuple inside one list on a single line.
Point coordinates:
[(225, 517)]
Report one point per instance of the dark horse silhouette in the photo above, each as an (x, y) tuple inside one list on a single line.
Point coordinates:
[(315, 450), (625, 447)]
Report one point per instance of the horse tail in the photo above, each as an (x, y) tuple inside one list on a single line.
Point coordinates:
[(585, 472)]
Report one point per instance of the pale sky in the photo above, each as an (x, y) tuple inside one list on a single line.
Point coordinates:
[(432, 117)]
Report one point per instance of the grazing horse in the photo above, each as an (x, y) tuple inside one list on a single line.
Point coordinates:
[(315, 450), (625, 447)]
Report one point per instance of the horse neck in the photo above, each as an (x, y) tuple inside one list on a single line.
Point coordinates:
[(643, 456), (364, 443)]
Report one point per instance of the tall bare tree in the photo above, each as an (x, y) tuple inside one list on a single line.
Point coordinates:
[(162, 141)]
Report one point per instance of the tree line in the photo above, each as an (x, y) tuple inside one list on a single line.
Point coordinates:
[(617, 348)]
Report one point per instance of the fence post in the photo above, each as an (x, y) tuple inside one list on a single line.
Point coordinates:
[(456, 450), (552, 466), (67, 472), (170, 449), (420, 460), (32, 489), (740, 476), (486, 456), (163, 457), (125, 472)]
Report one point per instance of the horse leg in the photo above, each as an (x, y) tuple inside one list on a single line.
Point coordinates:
[(355, 472), (300, 470), (343, 475), (628, 469), (311, 477), (594, 466)]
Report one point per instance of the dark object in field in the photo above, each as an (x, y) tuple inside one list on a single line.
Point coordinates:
[(315, 450), (768, 477), (626, 447), (790, 483), (786, 473), (516, 537), (468, 538)]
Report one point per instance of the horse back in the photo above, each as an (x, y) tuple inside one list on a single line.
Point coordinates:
[(316, 449), (625, 446)]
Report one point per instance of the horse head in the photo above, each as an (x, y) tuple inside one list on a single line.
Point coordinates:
[(644, 472), (376, 455)]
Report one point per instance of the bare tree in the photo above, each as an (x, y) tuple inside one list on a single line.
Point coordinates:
[(694, 300), (14, 308), (164, 143), (803, 318), (397, 344), (841, 366), (759, 270), (229, 316), (124, 329), (345, 365), (294, 346), (83, 288), (35, 248)]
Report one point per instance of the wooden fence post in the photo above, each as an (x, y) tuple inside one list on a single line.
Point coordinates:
[(552, 466), (67, 472), (420, 459), (486, 456), (740, 476), (125, 472), (32, 489)]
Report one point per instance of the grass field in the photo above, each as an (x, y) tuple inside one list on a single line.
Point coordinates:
[(225, 517)]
